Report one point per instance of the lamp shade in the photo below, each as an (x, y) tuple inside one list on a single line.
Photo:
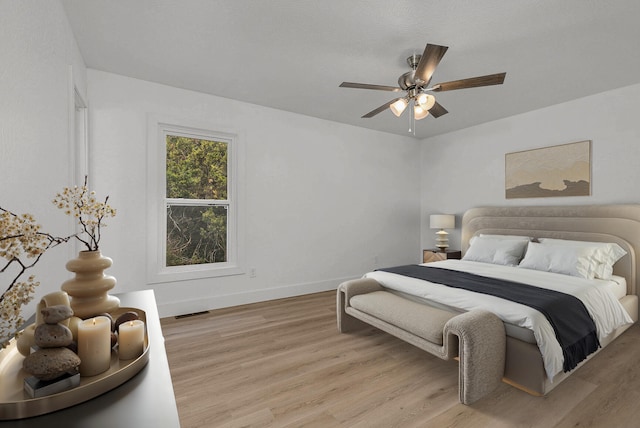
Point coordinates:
[(419, 112), (398, 107), (426, 101), (442, 221)]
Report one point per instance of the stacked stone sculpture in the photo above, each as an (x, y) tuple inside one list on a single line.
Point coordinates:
[(53, 358)]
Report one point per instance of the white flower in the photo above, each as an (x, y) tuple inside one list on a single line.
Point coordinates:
[(82, 204), (20, 239)]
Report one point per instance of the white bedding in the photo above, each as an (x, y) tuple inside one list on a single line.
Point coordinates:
[(618, 286), (597, 296)]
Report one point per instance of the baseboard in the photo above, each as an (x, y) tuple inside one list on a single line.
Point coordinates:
[(187, 306)]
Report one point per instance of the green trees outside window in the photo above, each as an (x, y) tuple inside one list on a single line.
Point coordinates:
[(197, 200)]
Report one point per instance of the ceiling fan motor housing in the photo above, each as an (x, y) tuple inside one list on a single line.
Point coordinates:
[(408, 80)]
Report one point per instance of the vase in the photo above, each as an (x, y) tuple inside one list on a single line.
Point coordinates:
[(89, 288)]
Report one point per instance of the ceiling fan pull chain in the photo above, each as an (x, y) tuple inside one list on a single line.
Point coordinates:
[(412, 121)]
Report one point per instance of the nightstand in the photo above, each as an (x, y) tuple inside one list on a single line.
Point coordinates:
[(429, 256)]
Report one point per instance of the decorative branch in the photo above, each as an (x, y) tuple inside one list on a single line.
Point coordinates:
[(82, 204), (20, 238)]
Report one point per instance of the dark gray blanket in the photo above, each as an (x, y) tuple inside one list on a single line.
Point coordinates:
[(574, 328)]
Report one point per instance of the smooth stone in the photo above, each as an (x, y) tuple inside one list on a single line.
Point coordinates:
[(47, 364), (52, 336), (56, 314)]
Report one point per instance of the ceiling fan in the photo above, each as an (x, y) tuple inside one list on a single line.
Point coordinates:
[(416, 84)]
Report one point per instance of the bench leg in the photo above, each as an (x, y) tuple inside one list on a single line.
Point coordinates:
[(482, 346)]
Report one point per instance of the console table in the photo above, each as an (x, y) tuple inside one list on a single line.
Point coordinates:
[(147, 399)]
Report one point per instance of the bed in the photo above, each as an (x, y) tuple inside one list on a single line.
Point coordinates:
[(523, 365)]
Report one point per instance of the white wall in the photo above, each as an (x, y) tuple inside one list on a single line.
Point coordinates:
[(465, 169), (38, 56), (323, 200)]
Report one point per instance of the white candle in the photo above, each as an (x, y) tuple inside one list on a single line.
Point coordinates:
[(94, 346), (130, 339)]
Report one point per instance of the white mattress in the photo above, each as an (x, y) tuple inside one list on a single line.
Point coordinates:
[(618, 286), (599, 297)]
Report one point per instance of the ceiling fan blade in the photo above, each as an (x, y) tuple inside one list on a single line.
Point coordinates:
[(368, 86), (437, 110), (472, 82), (380, 109), (429, 61)]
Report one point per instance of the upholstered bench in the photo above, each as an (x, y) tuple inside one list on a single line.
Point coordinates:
[(476, 337)]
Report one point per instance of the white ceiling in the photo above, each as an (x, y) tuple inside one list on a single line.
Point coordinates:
[(293, 54)]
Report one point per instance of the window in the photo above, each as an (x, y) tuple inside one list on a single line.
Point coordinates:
[(195, 177), (196, 200)]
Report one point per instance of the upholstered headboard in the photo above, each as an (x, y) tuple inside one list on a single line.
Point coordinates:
[(599, 223)]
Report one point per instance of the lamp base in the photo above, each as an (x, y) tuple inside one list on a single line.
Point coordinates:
[(442, 240)]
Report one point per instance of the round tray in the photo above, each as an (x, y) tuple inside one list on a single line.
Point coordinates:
[(16, 404)]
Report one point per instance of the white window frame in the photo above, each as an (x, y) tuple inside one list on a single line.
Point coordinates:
[(157, 271), (78, 148)]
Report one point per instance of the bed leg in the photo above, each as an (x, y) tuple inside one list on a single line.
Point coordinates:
[(482, 349)]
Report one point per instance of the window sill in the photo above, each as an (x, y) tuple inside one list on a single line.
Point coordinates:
[(185, 273)]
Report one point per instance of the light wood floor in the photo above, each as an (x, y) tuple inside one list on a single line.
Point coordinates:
[(284, 364)]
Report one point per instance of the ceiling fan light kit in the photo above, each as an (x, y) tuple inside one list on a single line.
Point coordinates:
[(398, 107), (419, 112), (426, 101), (416, 84)]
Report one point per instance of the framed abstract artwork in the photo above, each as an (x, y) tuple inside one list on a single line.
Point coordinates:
[(563, 170)]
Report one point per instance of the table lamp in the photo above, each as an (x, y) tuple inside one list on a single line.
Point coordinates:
[(442, 222)]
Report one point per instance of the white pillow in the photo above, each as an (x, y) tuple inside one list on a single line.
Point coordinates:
[(605, 254), (603, 271), (497, 251), (565, 259), (500, 237)]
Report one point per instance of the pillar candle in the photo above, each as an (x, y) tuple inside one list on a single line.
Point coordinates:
[(94, 346), (130, 339)]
